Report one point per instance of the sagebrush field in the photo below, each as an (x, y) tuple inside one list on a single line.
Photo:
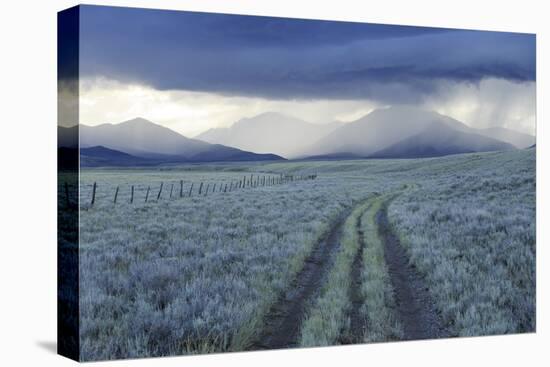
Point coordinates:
[(341, 258)]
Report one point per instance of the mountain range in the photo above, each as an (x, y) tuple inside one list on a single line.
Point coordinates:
[(404, 132), (270, 132), (141, 142), (394, 132)]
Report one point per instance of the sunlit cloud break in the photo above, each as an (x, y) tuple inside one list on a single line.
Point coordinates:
[(492, 102)]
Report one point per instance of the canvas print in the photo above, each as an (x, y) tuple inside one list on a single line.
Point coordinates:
[(240, 183)]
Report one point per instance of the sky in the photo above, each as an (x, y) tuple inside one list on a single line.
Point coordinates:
[(193, 71)]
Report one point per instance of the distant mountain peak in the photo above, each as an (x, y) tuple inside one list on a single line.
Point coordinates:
[(139, 121), (144, 139), (403, 130), (406, 109), (269, 132)]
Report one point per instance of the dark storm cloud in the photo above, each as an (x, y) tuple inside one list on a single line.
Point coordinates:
[(68, 44), (292, 58)]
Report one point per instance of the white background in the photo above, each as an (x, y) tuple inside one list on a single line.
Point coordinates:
[(28, 181)]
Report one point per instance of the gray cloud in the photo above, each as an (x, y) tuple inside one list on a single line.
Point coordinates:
[(294, 59)]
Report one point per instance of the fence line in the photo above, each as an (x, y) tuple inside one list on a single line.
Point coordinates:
[(223, 187)]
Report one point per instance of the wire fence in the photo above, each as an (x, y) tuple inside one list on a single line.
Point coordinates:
[(172, 190)]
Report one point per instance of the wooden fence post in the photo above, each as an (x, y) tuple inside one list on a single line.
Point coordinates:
[(93, 193), (132, 195), (171, 189), (181, 188), (214, 188), (191, 189), (225, 189), (160, 191), (116, 195), (147, 194)]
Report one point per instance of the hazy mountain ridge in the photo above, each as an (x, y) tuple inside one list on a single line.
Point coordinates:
[(99, 156), (147, 143), (378, 130), (394, 132), (270, 132), (140, 137), (517, 139), (407, 132), (440, 140)]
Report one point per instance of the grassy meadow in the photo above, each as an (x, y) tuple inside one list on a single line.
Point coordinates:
[(200, 273)]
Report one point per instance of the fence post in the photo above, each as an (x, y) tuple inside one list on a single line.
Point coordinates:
[(93, 193), (160, 191), (207, 186), (116, 195), (200, 189), (181, 188), (225, 189), (214, 188), (171, 189), (191, 189), (132, 195), (147, 194)]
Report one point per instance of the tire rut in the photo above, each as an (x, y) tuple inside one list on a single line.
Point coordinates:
[(282, 324), (415, 307)]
